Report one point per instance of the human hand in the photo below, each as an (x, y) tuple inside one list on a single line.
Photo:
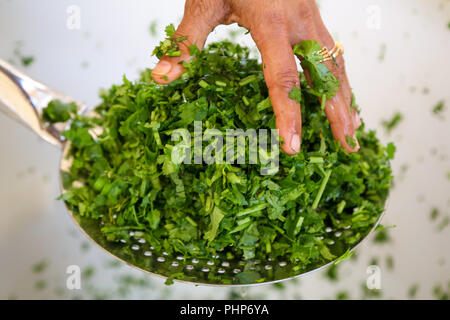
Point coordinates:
[(276, 26)]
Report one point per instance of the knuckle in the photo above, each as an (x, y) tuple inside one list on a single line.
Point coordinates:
[(285, 79), (269, 25), (184, 45), (268, 19), (206, 11), (306, 13), (198, 7), (274, 17)]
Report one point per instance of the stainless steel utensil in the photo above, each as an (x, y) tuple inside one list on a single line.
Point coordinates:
[(24, 99)]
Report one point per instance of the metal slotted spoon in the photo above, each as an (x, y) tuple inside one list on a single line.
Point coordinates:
[(24, 99)]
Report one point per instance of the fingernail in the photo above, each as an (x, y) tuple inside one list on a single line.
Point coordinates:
[(295, 143), (162, 68)]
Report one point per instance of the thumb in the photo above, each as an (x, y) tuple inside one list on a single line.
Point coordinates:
[(198, 21)]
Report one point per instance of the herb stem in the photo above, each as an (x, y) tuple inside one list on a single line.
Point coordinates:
[(321, 189), (324, 101)]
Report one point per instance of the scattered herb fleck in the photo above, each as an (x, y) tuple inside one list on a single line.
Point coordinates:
[(40, 266), (439, 108), (390, 262), (443, 224), (391, 124), (88, 272), (382, 237), (441, 293), (342, 295), (434, 213), (382, 53), (154, 29), (412, 292), (332, 273), (370, 293), (27, 61), (40, 285)]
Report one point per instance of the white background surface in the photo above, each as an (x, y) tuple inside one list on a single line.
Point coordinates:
[(114, 39)]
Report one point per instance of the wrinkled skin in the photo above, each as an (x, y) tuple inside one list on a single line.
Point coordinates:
[(276, 26)]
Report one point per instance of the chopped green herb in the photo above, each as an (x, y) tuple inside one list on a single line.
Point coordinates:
[(85, 245), (390, 262), (279, 285), (342, 295), (351, 142), (169, 46), (88, 272), (412, 292), (234, 34), (390, 125), (443, 224), (441, 293), (332, 272), (434, 213), (323, 81), (390, 150), (382, 237), (178, 276), (153, 28), (374, 261), (296, 94), (370, 293), (439, 108), (24, 60), (126, 179), (40, 285), (347, 255), (40, 266), (58, 111), (382, 53), (27, 61)]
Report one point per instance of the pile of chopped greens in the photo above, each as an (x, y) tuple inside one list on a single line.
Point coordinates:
[(122, 176)]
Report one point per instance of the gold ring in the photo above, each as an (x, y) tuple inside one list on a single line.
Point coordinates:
[(332, 54)]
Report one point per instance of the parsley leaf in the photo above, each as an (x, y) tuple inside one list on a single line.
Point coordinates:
[(323, 81), (169, 46), (58, 111)]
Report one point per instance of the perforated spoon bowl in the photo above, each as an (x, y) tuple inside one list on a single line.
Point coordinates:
[(24, 99)]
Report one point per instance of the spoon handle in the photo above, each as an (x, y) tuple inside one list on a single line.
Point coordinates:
[(23, 99)]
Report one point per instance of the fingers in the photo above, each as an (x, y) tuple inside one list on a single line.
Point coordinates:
[(344, 120), (281, 74), (200, 18), (341, 122), (356, 119)]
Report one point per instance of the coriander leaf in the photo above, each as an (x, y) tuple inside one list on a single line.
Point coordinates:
[(323, 81), (391, 124), (296, 94), (169, 46), (390, 150), (216, 217), (58, 111)]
